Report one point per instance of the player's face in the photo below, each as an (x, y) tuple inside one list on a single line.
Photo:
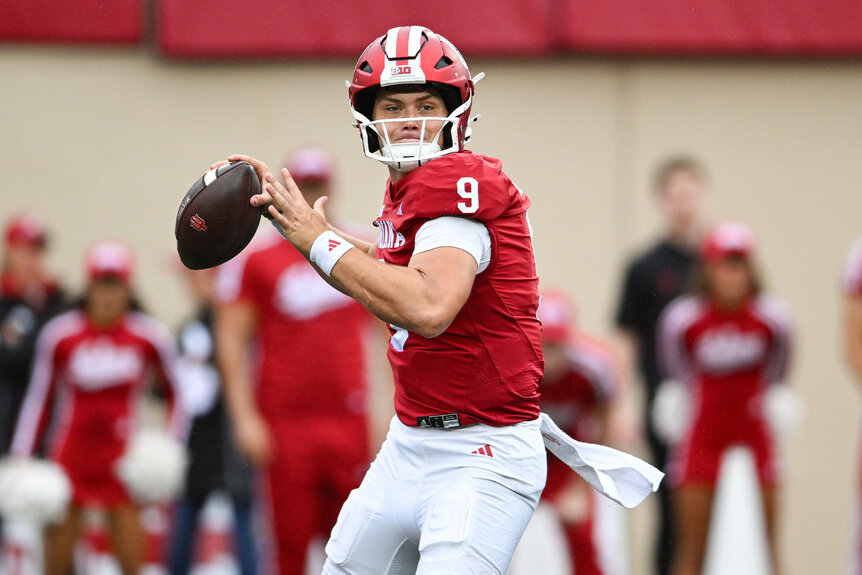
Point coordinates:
[(107, 300), (419, 102), (730, 280), (682, 200)]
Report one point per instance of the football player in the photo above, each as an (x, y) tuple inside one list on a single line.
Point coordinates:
[(453, 274)]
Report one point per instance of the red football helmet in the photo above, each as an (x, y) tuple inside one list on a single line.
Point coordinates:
[(412, 55)]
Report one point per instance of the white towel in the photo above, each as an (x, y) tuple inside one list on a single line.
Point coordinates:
[(619, 476)]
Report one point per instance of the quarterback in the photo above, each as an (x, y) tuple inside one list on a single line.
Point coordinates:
[(454, 276)]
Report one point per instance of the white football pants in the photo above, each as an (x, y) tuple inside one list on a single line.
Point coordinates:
[(441, 502)]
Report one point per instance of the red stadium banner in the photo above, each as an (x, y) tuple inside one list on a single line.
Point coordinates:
[(295, 28), (81, 21), (710, 27), (299, 28)]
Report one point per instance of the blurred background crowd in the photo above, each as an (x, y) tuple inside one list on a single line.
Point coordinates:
[(694, 175)]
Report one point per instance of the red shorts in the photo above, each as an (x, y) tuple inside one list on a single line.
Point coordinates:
[(697, 458), (95, 484), (317, 461)]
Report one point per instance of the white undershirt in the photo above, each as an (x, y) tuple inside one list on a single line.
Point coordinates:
[(456, 232)]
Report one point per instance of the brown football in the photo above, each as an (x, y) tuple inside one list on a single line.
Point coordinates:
[(215, 221)]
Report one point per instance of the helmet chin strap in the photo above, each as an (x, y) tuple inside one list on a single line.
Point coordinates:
[(406, 157)]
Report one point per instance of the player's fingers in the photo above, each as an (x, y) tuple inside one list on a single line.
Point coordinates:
[(279, 201), (290, 184), (262, 199), (319, 206), (219, 164), (260, 167)]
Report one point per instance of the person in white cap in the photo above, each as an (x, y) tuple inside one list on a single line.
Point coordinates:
[(725, 351), (91, 366), (292, 352)]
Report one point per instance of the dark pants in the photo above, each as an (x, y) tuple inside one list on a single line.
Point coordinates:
[(185, 532), (664, 537)]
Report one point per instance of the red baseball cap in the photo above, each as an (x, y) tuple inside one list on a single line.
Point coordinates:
[(310, 164), (26, 229), (728, 239), (557, 315), (110, 260)]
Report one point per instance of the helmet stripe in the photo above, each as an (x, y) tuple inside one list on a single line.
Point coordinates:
[(390, 47), (403, 52)]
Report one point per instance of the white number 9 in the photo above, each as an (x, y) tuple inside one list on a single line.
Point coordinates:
[(468, 188)]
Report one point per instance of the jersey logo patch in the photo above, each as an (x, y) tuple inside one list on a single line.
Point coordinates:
[(484, 450)]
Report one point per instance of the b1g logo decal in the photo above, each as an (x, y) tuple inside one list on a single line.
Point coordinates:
[(468, 188), (401, 70)]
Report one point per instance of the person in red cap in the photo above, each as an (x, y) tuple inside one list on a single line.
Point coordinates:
[(582, 379), (725, 349), (292, 352), (91, 366), (29, 296)]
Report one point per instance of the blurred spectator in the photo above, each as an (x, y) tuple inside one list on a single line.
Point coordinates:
[(299, 405), (582, 378), (725, 350), (91, 366), (29, 296), (215, 464), (853, 343), (652, 280)]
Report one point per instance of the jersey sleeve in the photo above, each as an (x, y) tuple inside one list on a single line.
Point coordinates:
[(449, 231), (166, 361), (778, 317), (36, 409), (673, 356), (853, 271), (465, 185)]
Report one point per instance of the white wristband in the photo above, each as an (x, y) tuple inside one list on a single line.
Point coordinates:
[(327, 249)]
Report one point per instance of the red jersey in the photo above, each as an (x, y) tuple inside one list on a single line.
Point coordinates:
[(310, 356), (574, 400), (92, 376), (853, 271), (727, 358), (487, 365)]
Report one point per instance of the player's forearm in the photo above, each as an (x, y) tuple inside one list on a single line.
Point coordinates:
[(398, 295), (360, 244)]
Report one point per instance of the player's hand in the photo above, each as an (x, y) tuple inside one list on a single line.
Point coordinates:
[(254, 440), (300, 222)]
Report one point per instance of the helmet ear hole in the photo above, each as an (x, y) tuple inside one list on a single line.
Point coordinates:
[(366, 67), (443, 62)]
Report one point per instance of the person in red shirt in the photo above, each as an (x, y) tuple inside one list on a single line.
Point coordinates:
[(853, 345), (299, 402), (91, 366), (729, 346), (582, 379)]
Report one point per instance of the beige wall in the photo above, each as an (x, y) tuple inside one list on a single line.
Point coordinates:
[(105, 143)]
